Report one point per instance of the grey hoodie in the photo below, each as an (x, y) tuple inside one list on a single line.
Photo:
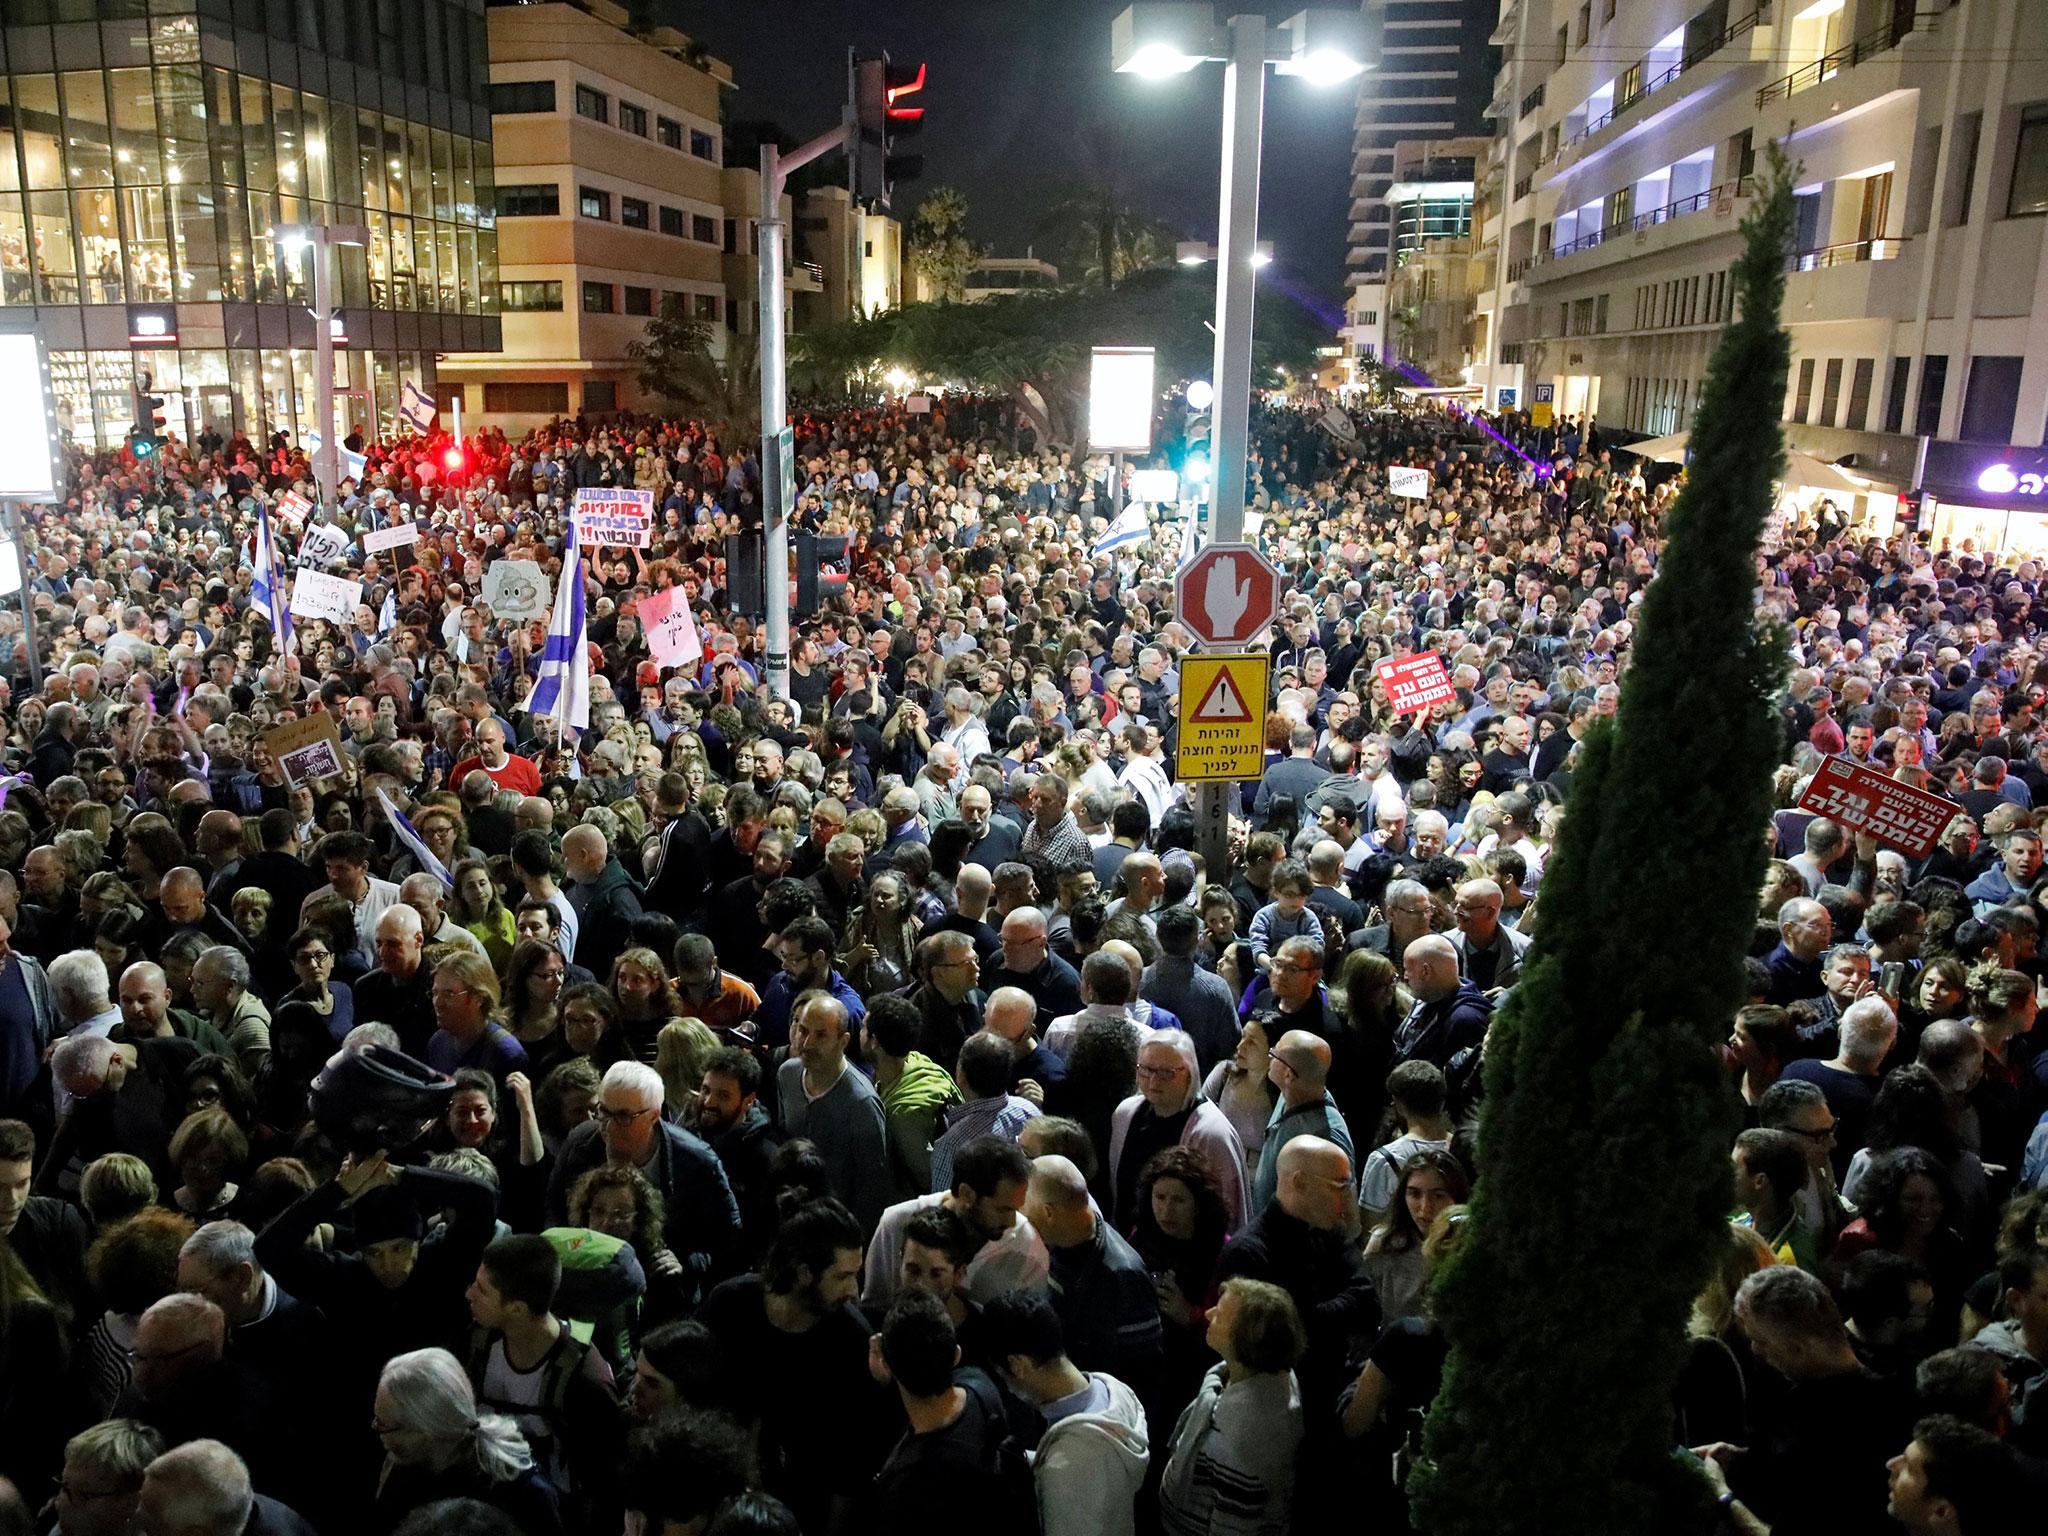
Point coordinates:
[(1088, 1466)]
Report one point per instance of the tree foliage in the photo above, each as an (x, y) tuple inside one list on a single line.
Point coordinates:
[(1098, 238), (940, 251), (675, 361), (1605, 1197), (1044, 338)]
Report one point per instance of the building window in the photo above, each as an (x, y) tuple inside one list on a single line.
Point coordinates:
[(1933, 384), (1860, 382), (1606, 11), (594, 105), (633, 212), (593, 204), (1895, 396), (1988, 401), (597, 299), (672, 222), (669, 132), (529, 202), (1564, 43), (707, 306), (1802, 397), (639, 301), (1830, 391), (2029, 194), (633, 119), (1585, 22), (530, 298), (539, 397), (601, 395), (510, 96), (704, 228), (702, 145)]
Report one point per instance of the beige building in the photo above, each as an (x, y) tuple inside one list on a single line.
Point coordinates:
[(612, 197), (856, 259)]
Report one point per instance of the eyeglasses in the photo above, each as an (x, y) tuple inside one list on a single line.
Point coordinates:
[(450, 992), (1825, 1133), (1159, 1074), (604, 1116), (92, 1495)]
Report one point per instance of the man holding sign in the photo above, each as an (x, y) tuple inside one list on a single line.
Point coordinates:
[(1415, 684), (614, 515)]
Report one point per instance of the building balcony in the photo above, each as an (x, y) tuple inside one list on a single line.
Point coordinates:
[(1849, 281), (1497, 108), (1627, 237), (1738, 52), (1878, 41), (1510, 22)]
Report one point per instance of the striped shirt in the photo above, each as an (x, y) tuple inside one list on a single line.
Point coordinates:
[(1003, 1115)]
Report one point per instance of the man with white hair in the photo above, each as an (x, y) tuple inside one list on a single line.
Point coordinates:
[(399, 992), (426, 895), (271, 1333), (81, 991), (220, 991), (626, 1130), (964, 731), (202, 1488)]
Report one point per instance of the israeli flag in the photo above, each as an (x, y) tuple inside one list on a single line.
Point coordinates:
[(267, 592), (1130, 527), (417, 407), (416, 845), (563, 689), (1190, 536), (387, 619)]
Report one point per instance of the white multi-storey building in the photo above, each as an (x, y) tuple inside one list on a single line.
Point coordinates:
[(1630, 138)]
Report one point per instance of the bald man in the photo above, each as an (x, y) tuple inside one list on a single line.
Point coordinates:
[(605, 899), (399, 991), (426, 895), (1299, 1067), (1489, 952), (1101, 1289), (146, 1013), (1011, 1015), (1305, 1242), (1450, 1013), (182, 895)]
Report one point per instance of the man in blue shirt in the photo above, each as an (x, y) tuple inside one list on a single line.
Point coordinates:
[(805, 949)]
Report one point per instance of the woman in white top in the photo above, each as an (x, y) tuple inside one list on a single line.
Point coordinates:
[(1239, 1088)]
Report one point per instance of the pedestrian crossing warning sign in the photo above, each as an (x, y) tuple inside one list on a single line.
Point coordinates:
[(1222, 736)]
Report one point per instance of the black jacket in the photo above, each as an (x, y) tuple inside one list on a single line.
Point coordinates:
[(746, 1152), (1435, 1032), (605, 909), (703, 1223)]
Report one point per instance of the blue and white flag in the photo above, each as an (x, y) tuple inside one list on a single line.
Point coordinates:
[(387, 619), (1131, 526), (417, 408), (267, 593), (416, 845), (1190, 536), (563, 689)]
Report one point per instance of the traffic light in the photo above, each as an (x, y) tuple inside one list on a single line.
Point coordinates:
[(883, 114), (455, 460), (1195, 460), (150, 425), (743, 585), (821, 569)]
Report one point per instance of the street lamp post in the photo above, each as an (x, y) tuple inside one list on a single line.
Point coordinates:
[(323, 238), (1164, 38)]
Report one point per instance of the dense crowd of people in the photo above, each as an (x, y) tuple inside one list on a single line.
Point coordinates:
[(865, 1109)]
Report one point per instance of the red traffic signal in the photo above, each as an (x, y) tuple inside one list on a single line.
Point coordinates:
[(454, 458), (894, 93)]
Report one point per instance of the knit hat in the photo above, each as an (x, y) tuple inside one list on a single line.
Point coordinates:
[(386, 1214)]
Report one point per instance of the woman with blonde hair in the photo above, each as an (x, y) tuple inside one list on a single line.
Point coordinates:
[(1712, 1386), (437, 1445), (682, 1047)]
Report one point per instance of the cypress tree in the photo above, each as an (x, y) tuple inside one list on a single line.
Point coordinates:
[(1605, 1189)]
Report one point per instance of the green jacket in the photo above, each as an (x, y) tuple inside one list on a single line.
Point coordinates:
[(913, 1107)]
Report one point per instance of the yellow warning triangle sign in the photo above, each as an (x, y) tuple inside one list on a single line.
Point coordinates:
[(1222, 704)]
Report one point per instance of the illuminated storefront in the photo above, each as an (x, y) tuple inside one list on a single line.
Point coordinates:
[(157, 147), (1987, 500)]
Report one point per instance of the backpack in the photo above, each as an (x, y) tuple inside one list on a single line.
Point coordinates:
[(1014, 1509)]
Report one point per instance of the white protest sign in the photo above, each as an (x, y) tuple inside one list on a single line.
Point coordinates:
[(614, 515), (672, 638), (917, 405), (517, 589), (317, 595), (389, 538), (1412, 483), (293, 508), (320, 543)]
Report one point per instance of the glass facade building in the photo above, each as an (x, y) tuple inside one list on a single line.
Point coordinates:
[(157, 147)]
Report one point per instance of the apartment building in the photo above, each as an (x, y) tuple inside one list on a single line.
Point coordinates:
[(1630, 138), (1431, 82)]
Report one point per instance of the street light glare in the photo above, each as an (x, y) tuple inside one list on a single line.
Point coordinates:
[(1262, 258), (1159, 61), (1200, 394), (1326, 66)]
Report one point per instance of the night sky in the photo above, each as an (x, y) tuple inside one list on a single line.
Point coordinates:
[(1022, 103)]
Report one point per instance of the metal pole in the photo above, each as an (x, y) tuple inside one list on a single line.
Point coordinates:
[(324, 457), (1237, 236), (28, 599), (774, 411)]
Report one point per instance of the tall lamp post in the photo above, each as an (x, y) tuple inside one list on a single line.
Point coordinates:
[(292, 238), (1160, 39)]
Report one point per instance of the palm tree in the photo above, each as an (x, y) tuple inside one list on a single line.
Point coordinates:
[(1099, 237)]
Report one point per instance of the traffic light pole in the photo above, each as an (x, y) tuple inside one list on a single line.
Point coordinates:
[(776, 476), (324, 457)]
